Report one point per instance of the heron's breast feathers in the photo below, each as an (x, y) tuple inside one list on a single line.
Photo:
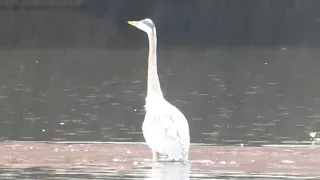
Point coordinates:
[(161, 114), (175, 126)]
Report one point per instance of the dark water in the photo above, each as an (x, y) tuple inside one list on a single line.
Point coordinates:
[(75, 70), (229, 96)]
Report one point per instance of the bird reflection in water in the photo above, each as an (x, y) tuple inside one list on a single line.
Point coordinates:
[(168, 171)]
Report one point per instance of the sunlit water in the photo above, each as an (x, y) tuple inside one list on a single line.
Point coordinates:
[(74, 160), (165, 171)]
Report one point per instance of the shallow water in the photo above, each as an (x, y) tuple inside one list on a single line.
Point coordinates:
[(157, 172), (74, 160)]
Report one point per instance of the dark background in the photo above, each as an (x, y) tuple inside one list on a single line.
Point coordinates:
[(241, 71)]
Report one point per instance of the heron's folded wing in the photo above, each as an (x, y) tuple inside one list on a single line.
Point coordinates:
[(176, 126)]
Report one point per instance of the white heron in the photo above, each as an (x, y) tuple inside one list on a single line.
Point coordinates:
[(165, 128)]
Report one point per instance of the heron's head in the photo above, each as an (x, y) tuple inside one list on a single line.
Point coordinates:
[(145, 25)]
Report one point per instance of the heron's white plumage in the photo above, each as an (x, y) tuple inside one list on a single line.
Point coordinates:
[(166, 129)]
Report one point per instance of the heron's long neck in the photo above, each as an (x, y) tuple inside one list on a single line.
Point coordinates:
[(154, 88)]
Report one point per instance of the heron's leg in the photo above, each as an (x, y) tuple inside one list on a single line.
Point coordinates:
[(169, 159), (155, 155)]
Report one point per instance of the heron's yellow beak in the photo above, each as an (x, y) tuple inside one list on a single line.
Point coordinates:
[(133, 23)]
